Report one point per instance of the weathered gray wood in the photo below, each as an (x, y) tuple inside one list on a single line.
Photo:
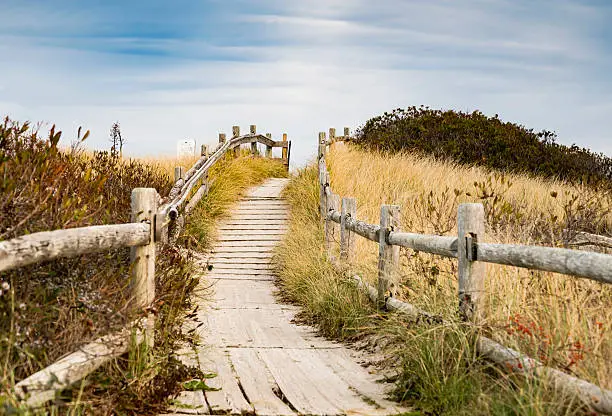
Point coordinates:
[(222, 138), (231, 232), (144, 207), (247, 266), (335, 216), (331, 234), (243, 249), (595, 266), (388, 255), (190, 403), (297, 385), (347, 132), (253, 148), (239, 255), (235, 131), (241, 271), (254, 243), (258, 383), (332, 135), (268, 147), (216, 261), (204, 150), (257, 237), (197, 197), (40, 387), (471, 228), (347, 238), (178, 173), (49, 245), (228, 399), (587, 239), (594, 396), (215, 275), (369, 231), (323, 194), (253, 129), (435, 244)]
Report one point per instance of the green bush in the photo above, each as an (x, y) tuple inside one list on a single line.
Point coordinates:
[(475, 139)]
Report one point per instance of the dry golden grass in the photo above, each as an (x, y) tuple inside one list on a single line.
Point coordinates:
[(166, 164), (564, 321)]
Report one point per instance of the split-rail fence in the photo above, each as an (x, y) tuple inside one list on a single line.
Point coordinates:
[(151, 223), (472, 253)]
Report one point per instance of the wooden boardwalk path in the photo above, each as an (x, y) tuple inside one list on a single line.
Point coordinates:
[(265, 364)]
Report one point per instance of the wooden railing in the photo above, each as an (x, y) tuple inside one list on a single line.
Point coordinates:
[(150, 224), (471, 252)]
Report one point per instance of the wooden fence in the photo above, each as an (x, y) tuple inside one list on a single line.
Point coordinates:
[(472, 252), (150, 224)]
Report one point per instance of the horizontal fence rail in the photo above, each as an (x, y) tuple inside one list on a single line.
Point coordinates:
[(49, 245), (149, 224), (471, 253)]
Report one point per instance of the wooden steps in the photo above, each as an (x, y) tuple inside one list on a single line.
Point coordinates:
[(266, 364)]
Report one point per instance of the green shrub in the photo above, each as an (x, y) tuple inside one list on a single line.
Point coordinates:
[(475, 139)]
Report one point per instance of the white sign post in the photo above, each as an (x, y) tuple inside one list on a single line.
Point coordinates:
[(185, 148)]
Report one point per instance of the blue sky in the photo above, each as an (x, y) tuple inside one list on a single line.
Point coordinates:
[(190, 69)]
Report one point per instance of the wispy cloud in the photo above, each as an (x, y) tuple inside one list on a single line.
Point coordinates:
[(170, 70)]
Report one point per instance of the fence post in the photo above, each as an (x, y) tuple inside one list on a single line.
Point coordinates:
[(222, 138), (347, 132), (179, 173), (333, 203), (253, 129), (332, 135), (235, 131), (204, 151), (269, 148), (471, 228), (322, 170), (347, 239), (388, 255), (284, 153), (144, 207)]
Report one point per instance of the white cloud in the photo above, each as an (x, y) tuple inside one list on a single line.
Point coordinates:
[(322, 64)]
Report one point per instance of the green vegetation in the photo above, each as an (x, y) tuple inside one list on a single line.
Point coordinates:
[(475, 139), (53, 308)]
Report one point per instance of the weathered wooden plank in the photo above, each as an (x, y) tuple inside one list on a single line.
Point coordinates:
[(257, 249), (595, 266), (435, 244), (189, 403), (254, 222), (215, 261), (242, 271), (263, 265), (215, 275), (251, 243), (239, 255), (49, 245), (257, 383), (251, 232), (250, 237), (363, 382), (229, 399), (41, 386), (296, 385), (328, 383), (247, 293), (362, 228)]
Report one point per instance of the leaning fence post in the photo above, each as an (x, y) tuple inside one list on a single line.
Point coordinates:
[(332, 135), (179, 173), (333, 203), (322, 171), (388, 255), (284, 152), (347, 239), (471, 228), (269, 148), (144, 207)]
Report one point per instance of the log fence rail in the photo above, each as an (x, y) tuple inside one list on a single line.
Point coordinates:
[(150, 225), (472, 253)]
